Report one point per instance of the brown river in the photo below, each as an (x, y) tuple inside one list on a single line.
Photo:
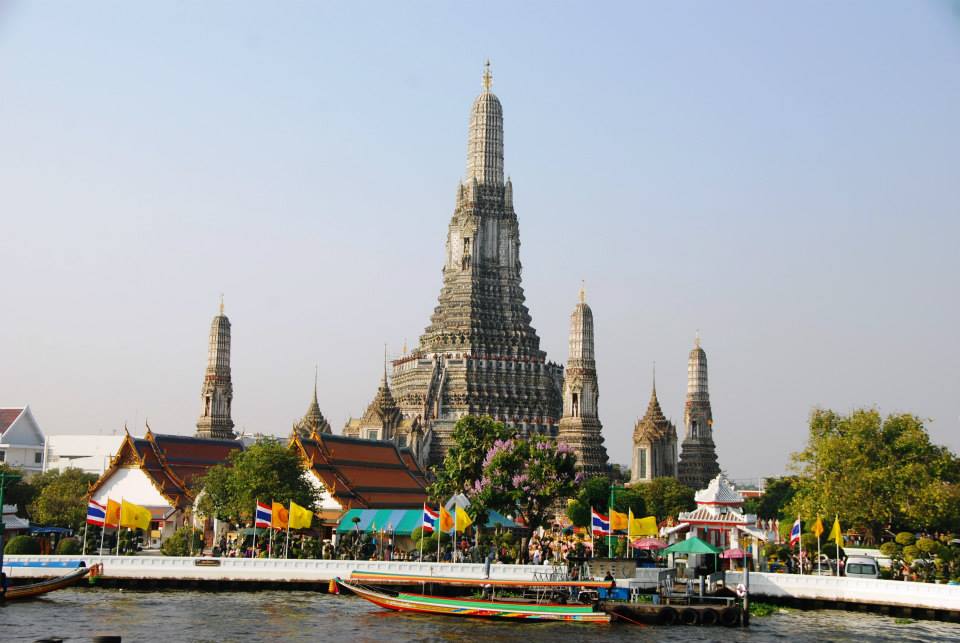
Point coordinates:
[(172, 616)]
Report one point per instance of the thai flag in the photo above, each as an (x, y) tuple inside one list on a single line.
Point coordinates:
[(430, 518), (263, 515), (96, 513), (599, 524), (795, 533)]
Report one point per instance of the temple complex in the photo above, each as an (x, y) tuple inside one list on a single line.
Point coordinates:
[(480, 355), (698, 454), (654, 444), (580, 425), (217, 393)]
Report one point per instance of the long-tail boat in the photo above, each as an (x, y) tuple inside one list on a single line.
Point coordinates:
[(471, 607), (19, 592)]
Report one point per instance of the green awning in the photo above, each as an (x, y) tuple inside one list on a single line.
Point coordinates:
[(401, 521), (692, 546)]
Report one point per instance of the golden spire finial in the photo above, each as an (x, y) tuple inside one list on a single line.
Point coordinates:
[(487, 77), (221, 303), (583, 291)]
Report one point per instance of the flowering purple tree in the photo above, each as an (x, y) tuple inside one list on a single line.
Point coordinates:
[(526, 478)]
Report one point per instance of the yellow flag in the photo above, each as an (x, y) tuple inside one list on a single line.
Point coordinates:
[(300, 517), (835, 534), (446, 520), (642, 526), (618, 521), (279, 517), (463, 520), (818, 528), (112, 519), (134, 516)]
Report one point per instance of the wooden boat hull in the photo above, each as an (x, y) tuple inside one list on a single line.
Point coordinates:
[(419, 603), (20, 592), (381, 578)]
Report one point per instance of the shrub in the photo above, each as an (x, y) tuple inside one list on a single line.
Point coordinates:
[(24, 545), (905, 538), (69, 547), (178, 543)]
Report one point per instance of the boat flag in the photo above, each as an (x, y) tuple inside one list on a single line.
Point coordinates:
[(795, 533), (134, 516), (112, 517), (835, 534), (95, 513), (264, 516), (430, 518), (463, 520), (279, 516), (300, 517), (446, 520), (599, 524)]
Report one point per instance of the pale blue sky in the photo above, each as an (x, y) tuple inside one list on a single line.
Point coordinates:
[(784, 177)]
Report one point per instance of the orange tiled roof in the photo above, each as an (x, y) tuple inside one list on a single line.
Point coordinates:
[(362, 474)]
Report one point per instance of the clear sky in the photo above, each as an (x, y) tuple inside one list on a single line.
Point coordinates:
[(782, 176)]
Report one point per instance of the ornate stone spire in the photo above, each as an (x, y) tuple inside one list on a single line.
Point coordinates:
[(654, 443), (698, 456), (485, 141), (580, 426), (217, 392), (480, 355), (313, 420)]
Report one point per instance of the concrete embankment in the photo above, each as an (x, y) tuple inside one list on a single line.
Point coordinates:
[(896, 598)]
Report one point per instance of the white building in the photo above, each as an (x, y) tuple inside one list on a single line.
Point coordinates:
[(21, 440), (91, 453)]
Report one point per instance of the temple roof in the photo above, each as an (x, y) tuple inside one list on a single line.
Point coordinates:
[(653, 426), (719, 491), (8, 416), (363, 474), (313, 420), (172, 462), (383, 407)]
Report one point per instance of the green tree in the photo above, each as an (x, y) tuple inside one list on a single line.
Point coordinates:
[(526, 478), (777, 494), (462, 466), (265, 471), (665, 497), (62, 500), (178, 543), (20, 493), (594, 492), (876, 473)]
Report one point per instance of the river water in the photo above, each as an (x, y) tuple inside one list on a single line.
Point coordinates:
[(173, 616)]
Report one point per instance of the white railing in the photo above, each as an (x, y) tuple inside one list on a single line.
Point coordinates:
[(851, 590), (253, 569)]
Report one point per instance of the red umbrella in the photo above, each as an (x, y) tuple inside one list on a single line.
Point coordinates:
[(648, 543)]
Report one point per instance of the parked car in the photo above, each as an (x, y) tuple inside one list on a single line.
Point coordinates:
[(862, 567)]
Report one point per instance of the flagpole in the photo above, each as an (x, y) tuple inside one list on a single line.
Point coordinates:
[(270, 546), (83, 552), (286, 545), (819, 570), (800, 545), (103, 529), (119, 523), (438, 531), (256, 506)]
